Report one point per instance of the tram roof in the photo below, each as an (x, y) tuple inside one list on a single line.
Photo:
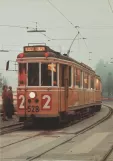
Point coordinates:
[(52, 53)]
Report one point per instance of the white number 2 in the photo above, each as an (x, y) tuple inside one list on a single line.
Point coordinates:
[(46, 105), (22, 101)]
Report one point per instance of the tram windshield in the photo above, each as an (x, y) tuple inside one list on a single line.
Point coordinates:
[(42, 74), (33, 74)]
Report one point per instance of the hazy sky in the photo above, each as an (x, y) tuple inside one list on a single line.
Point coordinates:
[(94, 17)]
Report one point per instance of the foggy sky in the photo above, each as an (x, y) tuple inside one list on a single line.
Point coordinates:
[(93, 16)]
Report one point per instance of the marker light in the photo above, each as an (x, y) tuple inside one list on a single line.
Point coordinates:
[(46, 54), (21, 55), (32, 94)]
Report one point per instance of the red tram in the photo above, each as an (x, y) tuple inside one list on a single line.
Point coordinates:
[(51, 85)]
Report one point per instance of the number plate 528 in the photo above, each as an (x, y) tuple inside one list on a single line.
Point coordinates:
[(33, 109)]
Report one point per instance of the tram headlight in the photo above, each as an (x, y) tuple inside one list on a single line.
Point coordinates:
[(32, 94)]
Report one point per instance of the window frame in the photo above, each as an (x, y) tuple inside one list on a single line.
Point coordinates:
[(52, 78), (88, 75), (70, 86), (20, 85), (93, 82), (96, 78), (81, 78)]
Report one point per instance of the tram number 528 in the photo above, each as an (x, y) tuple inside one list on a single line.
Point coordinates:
[(46, 101)]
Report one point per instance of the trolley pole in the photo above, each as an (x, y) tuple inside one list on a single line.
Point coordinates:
[(72, 43)]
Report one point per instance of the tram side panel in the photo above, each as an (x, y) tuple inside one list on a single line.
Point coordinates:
[(91, 96), (97, 96), (78, 98), (73, 98)]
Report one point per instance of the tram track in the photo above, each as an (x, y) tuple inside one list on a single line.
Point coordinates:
[(75, 135), (107, 155), (11, 128), (20, 126)]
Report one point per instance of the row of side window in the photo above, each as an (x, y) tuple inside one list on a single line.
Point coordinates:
[(81, 79)]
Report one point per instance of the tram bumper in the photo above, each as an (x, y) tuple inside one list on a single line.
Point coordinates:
[(33, 116)]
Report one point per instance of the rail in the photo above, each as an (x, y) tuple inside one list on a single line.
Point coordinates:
[(107, 99), (38, 155), (75, 134)]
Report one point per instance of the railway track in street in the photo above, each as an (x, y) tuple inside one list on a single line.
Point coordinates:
[(11, 128), (76, 134), (107, 155), (19, 126), (46, 150)]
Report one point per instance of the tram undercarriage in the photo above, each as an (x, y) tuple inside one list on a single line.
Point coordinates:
[(64, 117)]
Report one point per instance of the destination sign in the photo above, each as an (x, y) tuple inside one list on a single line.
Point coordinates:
[(34, 48)]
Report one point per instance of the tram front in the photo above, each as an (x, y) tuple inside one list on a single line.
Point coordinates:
[(37, 92)]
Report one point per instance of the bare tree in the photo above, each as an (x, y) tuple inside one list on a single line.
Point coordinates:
[(105, 71), (109, 84), (3, 81)]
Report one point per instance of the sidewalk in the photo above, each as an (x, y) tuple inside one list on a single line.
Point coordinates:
[(10, 122)]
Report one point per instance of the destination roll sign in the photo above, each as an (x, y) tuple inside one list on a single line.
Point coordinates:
[(34, 48)]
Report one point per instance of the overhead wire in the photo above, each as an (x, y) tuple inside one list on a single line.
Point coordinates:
[(16, 26), (60, 12), (110, 6), (67, 20), (26, 27)]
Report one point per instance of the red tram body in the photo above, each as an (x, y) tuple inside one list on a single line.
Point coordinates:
[(51, 85)]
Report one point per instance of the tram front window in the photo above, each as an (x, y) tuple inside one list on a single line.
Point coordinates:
[(46, 75), (33, 74)]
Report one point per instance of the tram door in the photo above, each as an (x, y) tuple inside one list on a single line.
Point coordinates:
[(64, 79), (66, 85)]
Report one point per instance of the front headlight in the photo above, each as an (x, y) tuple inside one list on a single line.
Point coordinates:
[(32, 94)]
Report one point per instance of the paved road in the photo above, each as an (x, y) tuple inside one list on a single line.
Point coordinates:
[(12, 121), (108, 103), (86, 146), (92, 145)]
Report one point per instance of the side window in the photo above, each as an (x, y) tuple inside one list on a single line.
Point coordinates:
[(54, 69), (22, 74), (86, 80), (92, 82), (78, 77), (97, 84)]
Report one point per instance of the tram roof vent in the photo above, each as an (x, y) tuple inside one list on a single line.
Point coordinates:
[(36, 44)]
